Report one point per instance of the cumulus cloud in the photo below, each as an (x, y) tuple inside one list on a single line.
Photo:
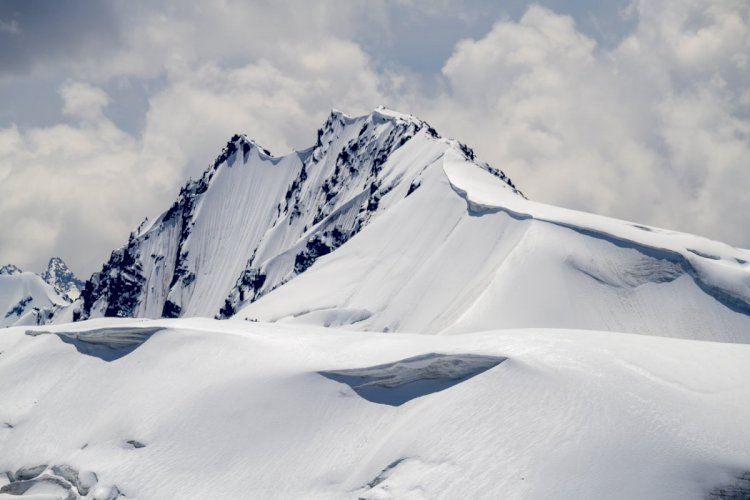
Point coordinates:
[(653, 129), (70, 189)]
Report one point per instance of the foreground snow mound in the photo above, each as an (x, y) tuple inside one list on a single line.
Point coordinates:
[(227, 409)]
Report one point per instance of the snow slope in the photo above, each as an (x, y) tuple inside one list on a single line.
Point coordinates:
[(228, 409), (463, 253), (26, 299)]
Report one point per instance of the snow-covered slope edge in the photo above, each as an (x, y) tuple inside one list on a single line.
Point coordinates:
[(254, 221), (464, 254), (225, 409)]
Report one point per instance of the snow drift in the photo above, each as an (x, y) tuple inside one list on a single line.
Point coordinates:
[(233, 409)]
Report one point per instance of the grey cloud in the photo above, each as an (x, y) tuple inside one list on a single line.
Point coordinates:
[(35, 32)]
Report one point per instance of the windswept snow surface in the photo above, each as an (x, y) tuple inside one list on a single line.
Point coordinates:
[(234, 409), (463, 253)]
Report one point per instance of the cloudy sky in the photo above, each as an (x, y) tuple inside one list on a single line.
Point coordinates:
[(634, 109)]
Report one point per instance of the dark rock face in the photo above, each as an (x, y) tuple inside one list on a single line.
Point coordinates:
[(119, 284), (19, 308), (247, 289)]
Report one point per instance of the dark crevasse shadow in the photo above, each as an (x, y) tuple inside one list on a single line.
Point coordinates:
[(396, 383), (107, 344)]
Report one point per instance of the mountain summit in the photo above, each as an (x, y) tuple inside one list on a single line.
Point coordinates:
[(254, 221), (61, 277), (384, 225)]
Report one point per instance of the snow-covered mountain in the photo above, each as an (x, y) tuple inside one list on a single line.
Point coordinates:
[(254, 221), (26, 299), (61, 277), (384, 225)]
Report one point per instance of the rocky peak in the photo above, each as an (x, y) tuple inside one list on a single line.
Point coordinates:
[(62, 278), (9, 270)]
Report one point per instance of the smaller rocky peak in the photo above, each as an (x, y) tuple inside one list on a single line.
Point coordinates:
[(239, 144), (9, 270), (59, 275), (336, 116)]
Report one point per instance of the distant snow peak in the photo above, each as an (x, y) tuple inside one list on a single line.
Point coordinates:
[(9, 270), (61, 277), (25, 298)]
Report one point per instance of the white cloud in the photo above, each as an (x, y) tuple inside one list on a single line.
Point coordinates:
[(73, 189), (655, 129), (83, 101)]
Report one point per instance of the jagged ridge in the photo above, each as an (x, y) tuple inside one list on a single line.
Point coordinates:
[(278, 216)]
